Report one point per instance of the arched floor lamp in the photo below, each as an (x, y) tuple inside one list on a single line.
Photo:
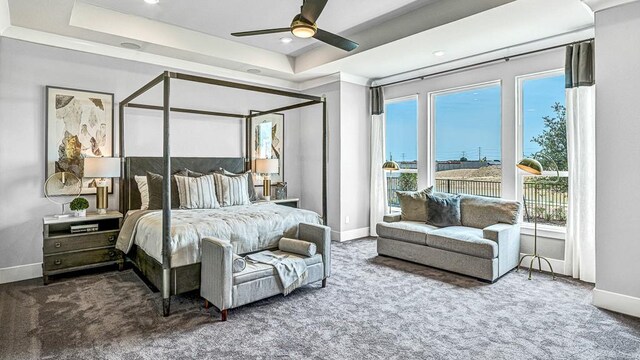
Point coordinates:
[(389, 166), (534, 167)]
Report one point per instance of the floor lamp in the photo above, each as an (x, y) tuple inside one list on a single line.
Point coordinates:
[(389, 166), (534, 167)]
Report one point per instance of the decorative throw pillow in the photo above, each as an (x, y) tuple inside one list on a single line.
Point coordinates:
[(443, 210), (197, 192), (144, 191), (232, 190), (252, 190), (413, 204), (154, 185)]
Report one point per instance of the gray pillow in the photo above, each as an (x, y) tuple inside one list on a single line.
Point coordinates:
[(239, 264), (295, 246), (443, 210), (154, 184), (480, 211), (413, 204)]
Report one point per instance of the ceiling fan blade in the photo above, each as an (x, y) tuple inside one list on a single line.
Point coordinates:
[(261, 32), (311, 9), (335, 40)]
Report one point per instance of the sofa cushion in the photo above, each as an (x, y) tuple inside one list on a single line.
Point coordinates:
[(414, 232), (480, 211), (443, 210), (412, 204), (255, 271), (463, 240)]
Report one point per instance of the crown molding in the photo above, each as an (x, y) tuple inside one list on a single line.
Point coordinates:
[(599, 5), (45, 38), (335, 77)]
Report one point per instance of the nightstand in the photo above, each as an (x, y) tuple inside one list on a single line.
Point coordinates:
[(65, 250), (293, 202)]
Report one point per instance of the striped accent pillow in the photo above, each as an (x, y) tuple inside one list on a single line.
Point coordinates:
[(197, 192), (232, 190)]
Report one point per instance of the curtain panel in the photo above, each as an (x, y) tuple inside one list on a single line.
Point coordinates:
[(378, 180), (581, 144)]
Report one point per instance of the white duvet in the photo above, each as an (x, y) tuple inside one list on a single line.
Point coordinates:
[(249, 228)]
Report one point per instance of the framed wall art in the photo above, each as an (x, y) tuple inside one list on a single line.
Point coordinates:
[(79, 124), (266, 139)]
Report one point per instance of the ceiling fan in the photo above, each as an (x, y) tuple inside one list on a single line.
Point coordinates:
[(304, 26)]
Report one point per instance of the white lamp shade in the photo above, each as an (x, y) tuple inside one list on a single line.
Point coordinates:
[(267, 166), (101, 167)]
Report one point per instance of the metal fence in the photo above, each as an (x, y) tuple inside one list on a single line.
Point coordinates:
[(551, 205)]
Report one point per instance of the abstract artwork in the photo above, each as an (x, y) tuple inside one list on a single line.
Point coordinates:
[(79, 125), (267, 142)]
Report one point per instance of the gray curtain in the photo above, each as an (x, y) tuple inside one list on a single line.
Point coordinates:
[(377, 101), (579, 67)]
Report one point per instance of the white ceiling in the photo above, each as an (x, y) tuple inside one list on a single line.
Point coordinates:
[(211, 17), (395, 36)]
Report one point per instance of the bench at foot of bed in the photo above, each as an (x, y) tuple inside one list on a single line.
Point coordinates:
[(226, 290)]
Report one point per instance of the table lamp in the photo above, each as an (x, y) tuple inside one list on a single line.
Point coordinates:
[(266, 167), (534, 167), (102, 168), (390, 166)]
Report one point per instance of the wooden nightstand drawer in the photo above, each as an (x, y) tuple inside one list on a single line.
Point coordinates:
[(79, 242), (80, 258)]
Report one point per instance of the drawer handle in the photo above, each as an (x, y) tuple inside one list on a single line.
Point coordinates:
[(57, 245), (112, 238), (57, 262), (112, 253)]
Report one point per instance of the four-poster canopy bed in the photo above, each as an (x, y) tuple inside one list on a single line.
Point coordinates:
[(179, 279)]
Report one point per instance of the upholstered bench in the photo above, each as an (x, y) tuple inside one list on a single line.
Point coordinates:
[(226, 289)]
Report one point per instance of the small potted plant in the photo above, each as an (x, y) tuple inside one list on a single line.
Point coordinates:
[(79, 206)]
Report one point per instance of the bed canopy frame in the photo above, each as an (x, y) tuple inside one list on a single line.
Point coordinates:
[(166, 79)]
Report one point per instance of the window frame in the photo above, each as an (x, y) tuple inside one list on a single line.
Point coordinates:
[(431, 121), (550, 231)]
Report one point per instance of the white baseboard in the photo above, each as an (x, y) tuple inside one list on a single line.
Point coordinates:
[(349, 234), (21, 272), (621, 303), (558, 265)]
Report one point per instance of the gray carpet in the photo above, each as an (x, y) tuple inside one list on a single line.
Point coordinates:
[(374, 307)]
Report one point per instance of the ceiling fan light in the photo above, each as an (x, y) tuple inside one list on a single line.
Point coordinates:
[(303, 31)]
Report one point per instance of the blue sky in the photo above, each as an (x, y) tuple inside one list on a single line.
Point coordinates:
[(469, 120)]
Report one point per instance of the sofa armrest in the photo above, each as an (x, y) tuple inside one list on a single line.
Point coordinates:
[(508, 238), (321, 236), (393, 217), (216, 272)]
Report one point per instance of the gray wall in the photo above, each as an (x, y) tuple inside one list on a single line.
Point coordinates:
[(355, 157), (311, 153), (348, 169), (505, 72), (617, 133), (25, 69)]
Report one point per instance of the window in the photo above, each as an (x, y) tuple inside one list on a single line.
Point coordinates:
[(401, 145), (467, 141), (544, 137)]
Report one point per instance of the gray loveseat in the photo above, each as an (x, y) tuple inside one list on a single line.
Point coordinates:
[(486, 246)]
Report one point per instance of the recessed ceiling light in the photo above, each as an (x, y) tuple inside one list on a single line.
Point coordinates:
[(438, 53), (286, 40), (253, 71), (130, 45), (152, 1)]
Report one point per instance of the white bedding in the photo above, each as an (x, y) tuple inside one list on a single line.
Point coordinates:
[(248, 227)]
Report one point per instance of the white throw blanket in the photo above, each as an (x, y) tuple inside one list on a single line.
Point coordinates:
[(291, 270)]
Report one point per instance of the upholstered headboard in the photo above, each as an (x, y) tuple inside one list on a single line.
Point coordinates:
[(133, 166)]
